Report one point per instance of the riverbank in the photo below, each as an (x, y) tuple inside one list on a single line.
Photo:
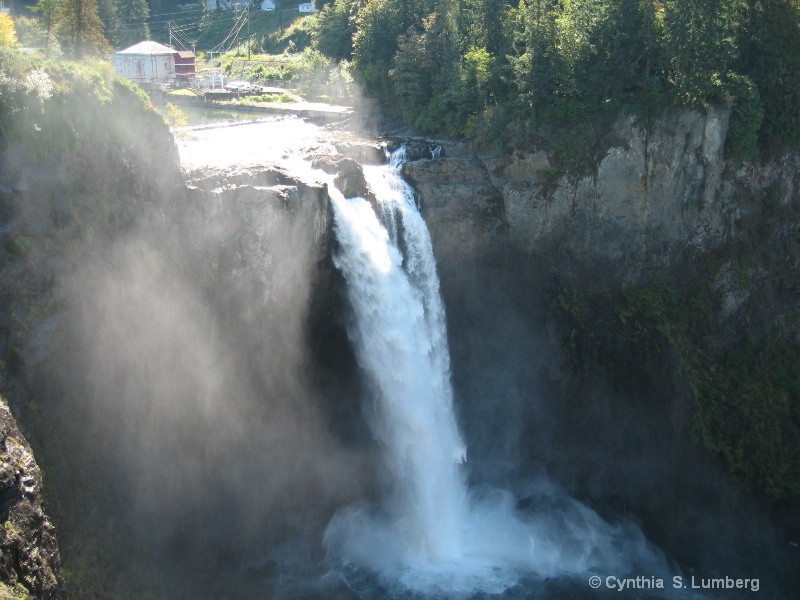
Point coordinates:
[(291, 104)]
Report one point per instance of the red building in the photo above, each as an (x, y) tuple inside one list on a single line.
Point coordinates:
[(184, 66)]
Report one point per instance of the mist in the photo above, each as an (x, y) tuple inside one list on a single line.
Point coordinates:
[(191, 388)]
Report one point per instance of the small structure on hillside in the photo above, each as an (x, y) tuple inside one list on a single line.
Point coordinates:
[(306, 7), (5, 7), (235, 5), (268, 5), (185, 66), (153, 63)]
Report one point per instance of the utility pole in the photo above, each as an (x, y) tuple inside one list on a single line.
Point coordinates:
[(247, 16)]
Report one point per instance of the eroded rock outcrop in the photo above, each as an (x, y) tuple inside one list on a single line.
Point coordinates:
[(656, 193), (29, 557), (348, 176), (462, 206)]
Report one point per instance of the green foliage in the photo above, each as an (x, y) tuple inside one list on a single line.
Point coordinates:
[(133, 15), (771, 58), (700, 41), (548, 176), (746, 116), (542, 74), (421, 78), (49, 12), (618, 61), (374, 46), (66, 110), (490, 67), (112, 25), (133, 89), (476, 72), (659, 305), (497, 69), (32, 34), (177, 118), (333, 35), (298, 35), (746, 393), (272, 32), (313, 70), (19, 247), (749, 414), (80, 29), (25, 86)]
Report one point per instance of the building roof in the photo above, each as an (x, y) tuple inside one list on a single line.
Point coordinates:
[(186, 54), (148, 48)]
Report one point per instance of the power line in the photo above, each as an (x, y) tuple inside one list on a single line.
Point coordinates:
[(237, 27)]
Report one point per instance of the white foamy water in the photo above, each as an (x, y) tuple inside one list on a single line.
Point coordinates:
[(242, 144), (429, 532)]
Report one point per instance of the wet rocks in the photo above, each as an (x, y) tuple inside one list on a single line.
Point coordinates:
[(349, 178), (29, 560), (364, 153)]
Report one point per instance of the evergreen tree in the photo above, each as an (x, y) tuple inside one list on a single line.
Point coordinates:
[(482, 24), (374, 45), (445, 62), (107, 10), (80, 28), (133, 15), (335, 28), (771, 58), (620, 60), (541, 73), (379, 25), (701, 45), (156, 7), (419, 68), (49, 11)]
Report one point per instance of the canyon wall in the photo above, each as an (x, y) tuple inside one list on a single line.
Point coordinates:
[(620, 311)]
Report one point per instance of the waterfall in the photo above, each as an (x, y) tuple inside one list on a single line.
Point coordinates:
[(401, 344), (428, 532)]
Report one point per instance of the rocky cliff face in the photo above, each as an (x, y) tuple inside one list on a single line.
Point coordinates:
[(621, 311), (30, 565), (662, 195), (656, 193)]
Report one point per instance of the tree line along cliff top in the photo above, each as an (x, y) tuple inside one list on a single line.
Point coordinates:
[(497, 70)]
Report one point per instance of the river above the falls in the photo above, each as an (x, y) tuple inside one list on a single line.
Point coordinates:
[(224, 143)]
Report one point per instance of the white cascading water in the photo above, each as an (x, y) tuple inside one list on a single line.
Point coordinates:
[(428, 533), (401, 343)]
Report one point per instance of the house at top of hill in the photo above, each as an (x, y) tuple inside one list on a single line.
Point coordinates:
[(235, 5), (153, 63)]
